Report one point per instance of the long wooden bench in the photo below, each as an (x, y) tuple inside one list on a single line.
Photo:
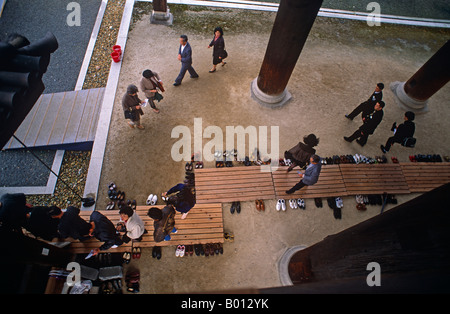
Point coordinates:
[(221, 185), (374, 179), (423, 177), (203, 224), (330, 183)]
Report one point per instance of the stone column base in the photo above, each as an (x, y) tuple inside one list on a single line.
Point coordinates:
[(269, 101), (283, 264), (162, 18), (405, 102)]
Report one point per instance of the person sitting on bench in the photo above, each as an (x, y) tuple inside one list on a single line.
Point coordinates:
[(131, 224), (164, 222), (300, 154), (311, 175), (183, 200), (401, 132), (42, 221), (72, 225), (104, 230)]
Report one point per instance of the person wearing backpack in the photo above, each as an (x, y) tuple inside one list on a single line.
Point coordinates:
[(403, 133)]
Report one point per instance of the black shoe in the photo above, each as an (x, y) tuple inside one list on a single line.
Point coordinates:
[(176, 84), (154, 252), (348, 117), (289, 192), (197, 249), (202, 250), (233, 207), (383, 149), (238, 207), (347, 139), (318, 202), (158, 252)]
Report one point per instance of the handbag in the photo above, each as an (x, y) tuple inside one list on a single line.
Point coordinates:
[(129, 115), (224, 54), (409, 142), (158, 97)]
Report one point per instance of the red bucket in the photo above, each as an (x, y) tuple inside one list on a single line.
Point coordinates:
[(117, 48), (115, 56)]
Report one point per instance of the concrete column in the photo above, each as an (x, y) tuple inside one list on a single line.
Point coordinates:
[(289, 33), (161, 13), (433, 75)]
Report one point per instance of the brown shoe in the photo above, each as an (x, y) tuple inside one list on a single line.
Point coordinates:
[(140, 127), (261, 205), (258, 208)]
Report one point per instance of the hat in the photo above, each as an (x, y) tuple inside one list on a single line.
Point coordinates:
[(155, 213), (131, 89)]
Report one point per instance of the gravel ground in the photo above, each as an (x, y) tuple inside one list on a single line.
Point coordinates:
[(33, 18), (21, 168)]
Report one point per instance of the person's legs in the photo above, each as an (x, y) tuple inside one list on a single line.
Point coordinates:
[(356, 111), (362, 139), (296, 187), (137, 121), (354, 136), (180, 76), (389, 143), (192, 71), (151, 101)]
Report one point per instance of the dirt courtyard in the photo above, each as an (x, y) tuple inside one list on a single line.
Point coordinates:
[(339, 67)]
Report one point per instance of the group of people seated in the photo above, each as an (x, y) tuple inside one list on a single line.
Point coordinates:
[(50, 222)]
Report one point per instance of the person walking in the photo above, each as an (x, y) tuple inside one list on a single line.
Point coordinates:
[(130, 224), (219, 52), (402, 132), (183, 200), (367, 107), (185, 57), (370, 123), (131, 105), (164, 222), (310, 176), (150, 82), (300, 154)]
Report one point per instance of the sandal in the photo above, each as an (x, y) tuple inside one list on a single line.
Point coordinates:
[(394, 160)]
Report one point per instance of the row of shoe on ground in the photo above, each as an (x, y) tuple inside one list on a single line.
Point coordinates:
[(199, 249)]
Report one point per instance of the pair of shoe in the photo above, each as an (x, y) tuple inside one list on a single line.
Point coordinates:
[(220, 164), (132, 279), (152, 199), (212, 248), (189, 166), (235, 207), (126, 257), (394, 160), (111, 287), (156, 252), (110, 206), (228, 236), (318, 202), (199, 165), (132, 204), (281, 205), (260, 205), (136, 253), (179, 252)]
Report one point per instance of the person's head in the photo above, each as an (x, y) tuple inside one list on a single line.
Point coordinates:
[(126, 212), (379, 87), (147, 74), (132, 89), (55, 212), (409, 116), (311, 140), (173, 200), (380, 105), (315, 159), (218, 31), (155, 213), (183, 40)]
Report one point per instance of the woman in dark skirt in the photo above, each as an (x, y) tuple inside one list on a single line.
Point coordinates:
[(219, 52)]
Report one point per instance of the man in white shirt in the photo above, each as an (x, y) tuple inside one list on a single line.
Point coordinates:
[(185, 57)]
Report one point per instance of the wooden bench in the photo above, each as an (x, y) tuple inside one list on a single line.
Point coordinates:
[(423, 176), (330, 183), (230, 184), (374, 179), (203, 224)]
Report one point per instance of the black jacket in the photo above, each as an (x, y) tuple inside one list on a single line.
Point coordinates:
[(219, 47), (371, 121), (165, 225), (105, 231), (405, 130), (368, 106), (72, 225), (41, 224)]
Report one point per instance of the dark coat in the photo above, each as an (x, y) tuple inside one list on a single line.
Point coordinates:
[(367, 107), (165, 225), (301, 153), (41, 224), (219, 47), (13, 210), (72, 225), (129, 103), (371, 122), (186, 55), (404, 130), (105, 231), (185, 198)]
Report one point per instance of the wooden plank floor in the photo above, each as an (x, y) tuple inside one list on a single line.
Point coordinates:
[(374, 179), (203, 224), (222, 185), (423, 176), (61, 118), (330, 184)]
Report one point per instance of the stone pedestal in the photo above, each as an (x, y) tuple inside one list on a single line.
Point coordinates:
[(405, 102), (270, 101), (161, 17)]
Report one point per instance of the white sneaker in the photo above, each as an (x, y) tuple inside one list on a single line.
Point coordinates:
[(178, 251), (278, 205), (149, 199), (182, 250), (283, 205), (291, 204), (339, 202), (295, 203), (154, 199)]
